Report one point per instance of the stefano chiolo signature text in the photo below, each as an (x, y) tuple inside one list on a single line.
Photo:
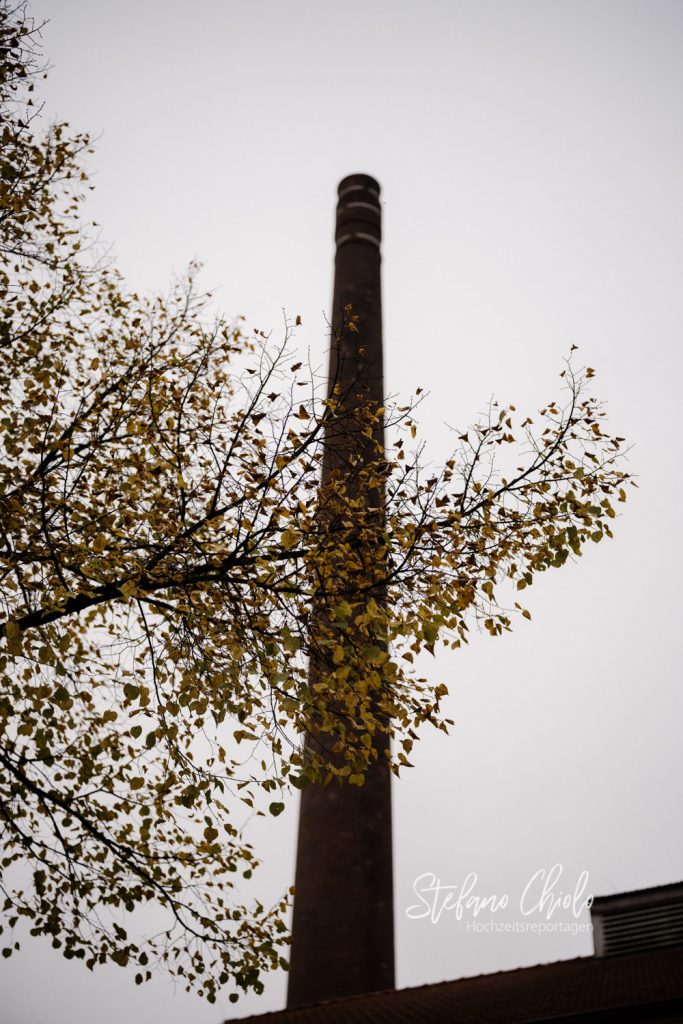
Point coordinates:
[(542, 895)]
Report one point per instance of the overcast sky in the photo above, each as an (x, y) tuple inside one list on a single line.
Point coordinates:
[(531, 161)]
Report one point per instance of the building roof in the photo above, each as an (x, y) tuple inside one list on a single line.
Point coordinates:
[(632, 922), (652, 894), (641, 987)]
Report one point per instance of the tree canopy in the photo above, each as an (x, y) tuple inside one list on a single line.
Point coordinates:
[(169, 562)]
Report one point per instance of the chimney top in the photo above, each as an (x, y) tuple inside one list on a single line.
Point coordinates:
[(356, 182), (359, 214)]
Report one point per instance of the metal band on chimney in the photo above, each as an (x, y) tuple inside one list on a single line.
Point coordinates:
[(357, 236), (344, 190)]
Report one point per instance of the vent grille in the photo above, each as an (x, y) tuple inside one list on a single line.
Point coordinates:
[(639, 921)]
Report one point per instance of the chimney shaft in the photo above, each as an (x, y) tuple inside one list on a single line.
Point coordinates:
[(343, 928)]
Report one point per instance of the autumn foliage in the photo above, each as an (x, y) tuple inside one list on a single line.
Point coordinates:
[(169, 562)]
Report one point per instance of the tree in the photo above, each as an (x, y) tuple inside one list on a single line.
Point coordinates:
[(169, 561)]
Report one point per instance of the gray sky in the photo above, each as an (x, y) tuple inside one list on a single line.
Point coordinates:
[(531, 160)]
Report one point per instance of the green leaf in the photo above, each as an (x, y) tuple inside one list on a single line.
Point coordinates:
[(343, 610), (374, 654), (430, 631)]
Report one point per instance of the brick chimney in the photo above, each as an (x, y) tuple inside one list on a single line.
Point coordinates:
[(343, 928)]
